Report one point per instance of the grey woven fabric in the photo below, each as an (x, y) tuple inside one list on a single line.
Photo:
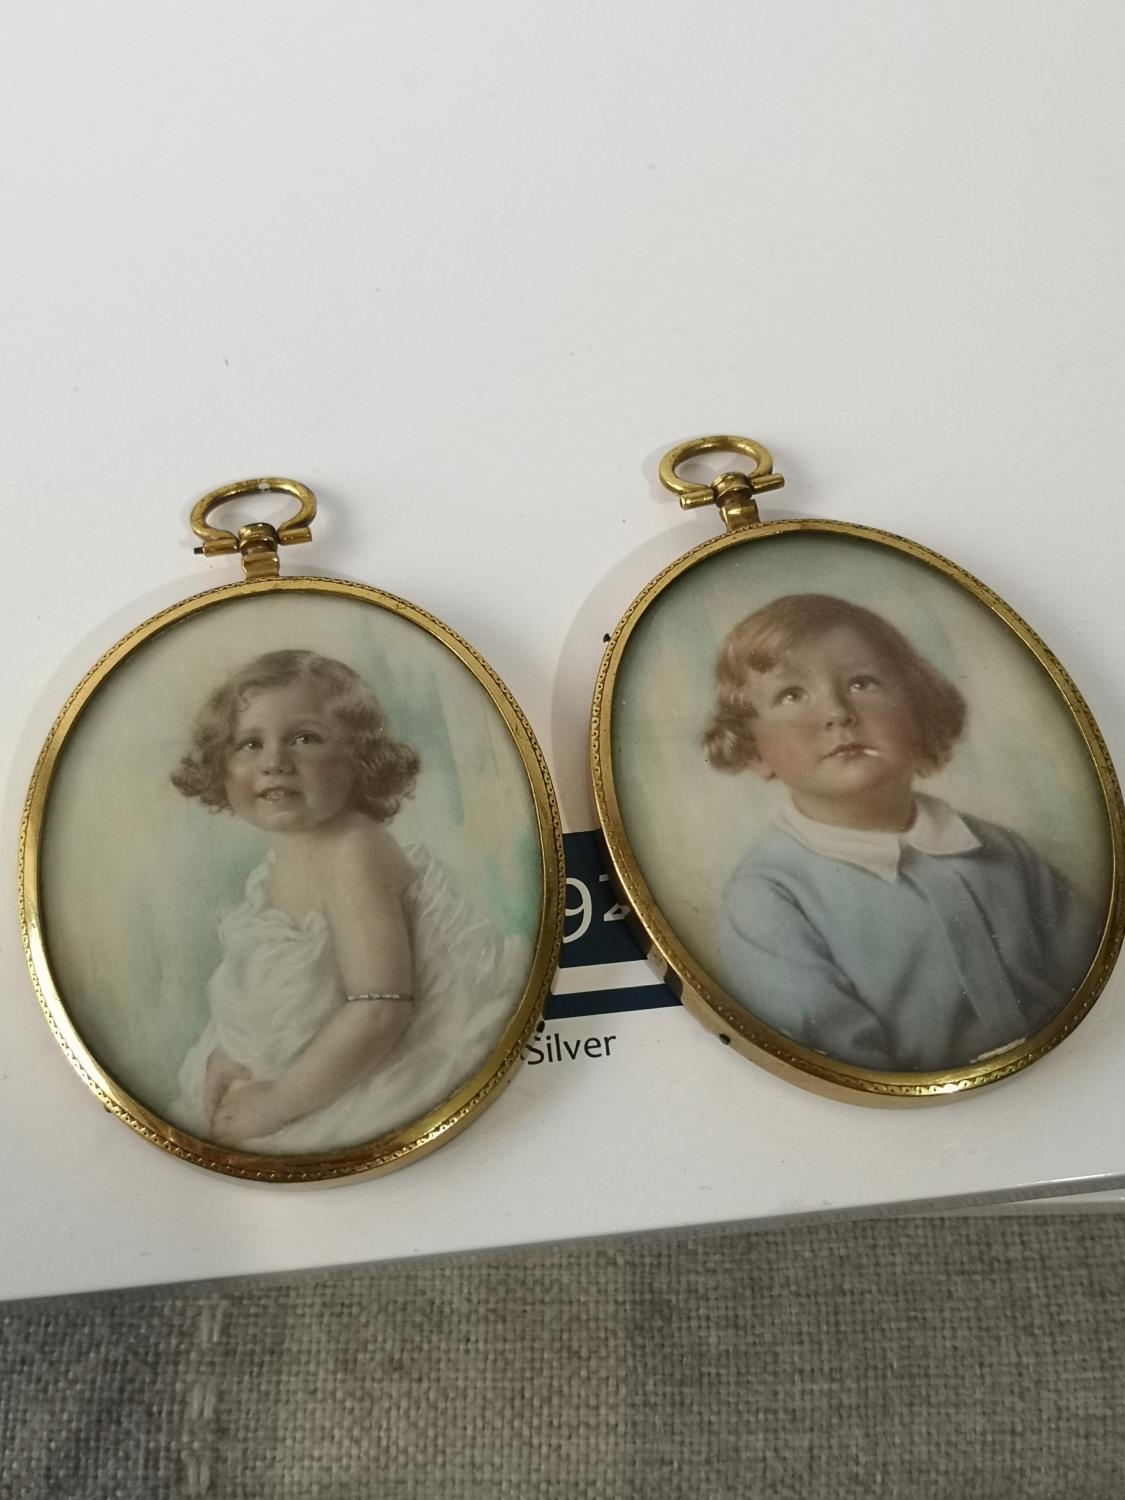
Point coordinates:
[(899, 1358)]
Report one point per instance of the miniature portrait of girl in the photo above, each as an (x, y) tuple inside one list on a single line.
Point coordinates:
[(292, 870), (860, 804), (351, 959)]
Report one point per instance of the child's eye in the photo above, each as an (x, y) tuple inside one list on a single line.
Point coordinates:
[(790, 695), (248, 744), (861, 683), (307, 737)]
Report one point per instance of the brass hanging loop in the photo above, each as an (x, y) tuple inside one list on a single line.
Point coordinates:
[(257, 543), (734, 493)]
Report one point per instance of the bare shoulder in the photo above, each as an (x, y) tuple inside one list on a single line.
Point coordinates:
[(364, 855)]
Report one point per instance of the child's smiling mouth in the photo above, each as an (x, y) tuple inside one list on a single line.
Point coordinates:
[(851, 751), (276, 794)]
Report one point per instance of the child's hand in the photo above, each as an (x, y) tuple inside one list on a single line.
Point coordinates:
[(248, 1110), (220, 1073)]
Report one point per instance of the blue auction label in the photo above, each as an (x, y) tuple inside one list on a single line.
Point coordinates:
[(601, 970)]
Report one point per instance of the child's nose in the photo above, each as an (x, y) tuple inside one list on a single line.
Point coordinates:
[(277, 757), (840, 709)]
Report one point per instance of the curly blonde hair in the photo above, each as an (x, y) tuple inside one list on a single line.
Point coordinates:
[(762, 640), (385, 768)]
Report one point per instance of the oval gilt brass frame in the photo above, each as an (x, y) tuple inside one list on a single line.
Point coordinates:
[(437, 1124), (700, 992)]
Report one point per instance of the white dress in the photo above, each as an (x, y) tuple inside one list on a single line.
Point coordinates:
[(278, 983)]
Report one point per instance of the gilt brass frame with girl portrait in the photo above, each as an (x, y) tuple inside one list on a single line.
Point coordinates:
[(819, 911), (351, 700)]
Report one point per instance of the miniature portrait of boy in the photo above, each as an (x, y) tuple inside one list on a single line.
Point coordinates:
[(872, 922)]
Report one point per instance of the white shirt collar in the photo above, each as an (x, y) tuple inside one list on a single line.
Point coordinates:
[(936, 829)]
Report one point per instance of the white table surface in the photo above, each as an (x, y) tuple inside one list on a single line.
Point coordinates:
[(468, 271)]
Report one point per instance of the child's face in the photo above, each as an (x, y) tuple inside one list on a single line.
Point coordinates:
[(835, 724), (289, 768)]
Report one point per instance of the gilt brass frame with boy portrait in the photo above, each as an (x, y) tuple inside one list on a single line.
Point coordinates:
[(642, 754)]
